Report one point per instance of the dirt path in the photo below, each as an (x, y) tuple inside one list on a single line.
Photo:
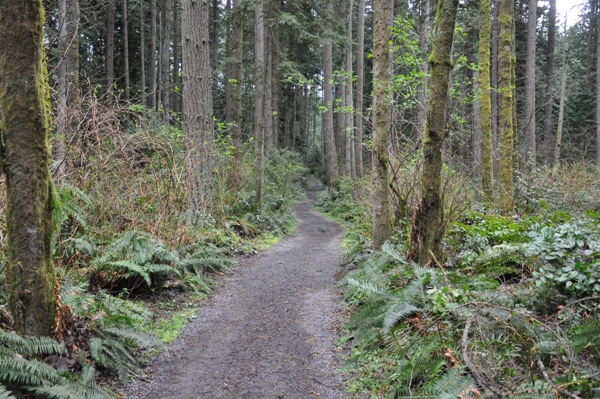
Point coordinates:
[(269, 331)]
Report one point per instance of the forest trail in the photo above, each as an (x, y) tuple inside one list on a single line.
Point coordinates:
[(269, 331)]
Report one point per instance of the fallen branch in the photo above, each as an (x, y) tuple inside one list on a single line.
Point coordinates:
[(478, 377), (561, 391)]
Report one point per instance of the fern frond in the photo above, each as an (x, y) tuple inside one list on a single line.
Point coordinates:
[(586, 335), (451, 384), (68, 390), (392, 250), (96, 350), (141, 340), (368, 288), (397, 313), (19, 370), (30, 346), (196, 283), (4, 393)]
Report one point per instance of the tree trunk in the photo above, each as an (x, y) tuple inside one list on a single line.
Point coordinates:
[(197, 107), (214, 33), (110, 46), (494, 87), (329, 153), (505, 105), (153, 65), (563, 95), (429, 224), (126, 50), (360, 85), (381, 124), (268, 82), (233, 83), (24, 104), (549, 94), (275, 74), (176, 101), (142, 21), (59, 142), (485, 103), (69, 94), (340, 92), (598, 98), (348, 102), (259, 106), (529, 97), (424, 47), (165, 59)]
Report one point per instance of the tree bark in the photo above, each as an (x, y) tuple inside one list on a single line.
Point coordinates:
[(142, 20), (25, 130), (529, 97), (549, 93), (259, 106), (598, 98), (214, 33), (126, 50), (429, 224), (505, 105), (69, 94), (153, 58), (381, 123), (360, 85), (176, 101), (275, 74), (268, 81), (233, 83), (494, 87), (348, 102), (165, 59), (329, 150), (110, 47), (197, 107), (424, 47), (485, 103), (563, 95)]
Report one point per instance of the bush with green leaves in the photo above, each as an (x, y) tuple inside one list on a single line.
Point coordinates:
[(424, 329), (567, 256)]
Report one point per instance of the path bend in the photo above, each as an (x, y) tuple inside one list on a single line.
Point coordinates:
[(269, 331)]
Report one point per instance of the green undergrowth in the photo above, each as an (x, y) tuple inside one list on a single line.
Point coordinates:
[(132, 272), (511, 310)]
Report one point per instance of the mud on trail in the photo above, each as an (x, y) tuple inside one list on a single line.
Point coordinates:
[(269, 331)]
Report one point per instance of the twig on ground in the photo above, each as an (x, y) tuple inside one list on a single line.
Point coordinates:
[(478, 377), (561, 391)]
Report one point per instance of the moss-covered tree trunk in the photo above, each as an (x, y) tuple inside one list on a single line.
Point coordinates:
[(529, 95), (505, 105), (487, 165), (381, 122), (428, 225), (24, 104)]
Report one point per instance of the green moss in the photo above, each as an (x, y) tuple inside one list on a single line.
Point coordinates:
[(168, 329)]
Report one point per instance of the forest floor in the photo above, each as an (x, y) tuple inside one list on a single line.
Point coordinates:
[(268, 331)]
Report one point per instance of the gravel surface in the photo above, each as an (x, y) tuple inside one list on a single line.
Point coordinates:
[(269, 331)]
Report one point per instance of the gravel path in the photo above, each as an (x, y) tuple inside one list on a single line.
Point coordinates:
[(269, 331)]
